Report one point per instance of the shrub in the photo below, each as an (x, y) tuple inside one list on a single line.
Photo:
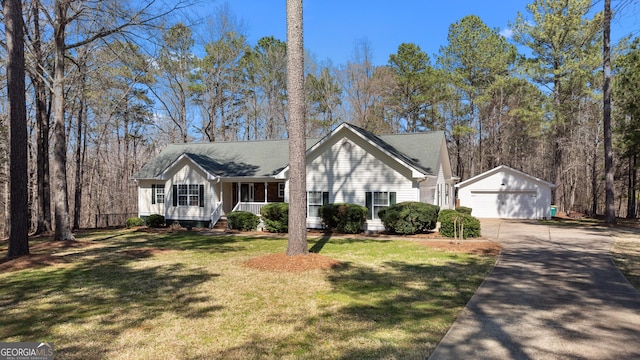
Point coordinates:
[(409, 217), (276, 217), (243, 220), (134, 221), (343, 218), (464, 210), (471, 224), (155, 221)]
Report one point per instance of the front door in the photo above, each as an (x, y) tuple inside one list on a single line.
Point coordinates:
[(246, 192), (259, 192)]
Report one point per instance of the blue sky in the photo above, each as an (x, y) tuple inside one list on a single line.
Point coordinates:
[(332, 27)]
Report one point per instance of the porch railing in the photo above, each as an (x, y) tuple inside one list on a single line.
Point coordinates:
[(216, 214), (253, 207)]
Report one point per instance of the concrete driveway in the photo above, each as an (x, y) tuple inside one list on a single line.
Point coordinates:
[(554, 294)]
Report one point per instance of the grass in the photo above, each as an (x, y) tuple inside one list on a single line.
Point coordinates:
[(626, 256), (142, 295)]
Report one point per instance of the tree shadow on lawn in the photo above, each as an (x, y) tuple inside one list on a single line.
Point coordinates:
[(319, 243), (418, 301), (105, 290), (421, 300), (187, 240)]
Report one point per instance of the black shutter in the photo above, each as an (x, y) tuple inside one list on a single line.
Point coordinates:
[(153, 193), (201, 194), (175, 195), (325, 198), (392, 198), (369, 205)]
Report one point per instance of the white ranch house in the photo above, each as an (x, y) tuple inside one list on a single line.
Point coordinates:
[(197, 184)]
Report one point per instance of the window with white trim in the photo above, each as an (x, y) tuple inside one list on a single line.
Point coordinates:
[(183, 195), (160, 194), (194, 195), (188, 195), (378, 200), (281, 190), (157, 193), (446, 194), (315, 199)]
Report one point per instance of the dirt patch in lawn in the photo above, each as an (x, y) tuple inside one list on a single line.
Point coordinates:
[(41, 255), (476, 247), (62, 244), (295, 264), (145, 252), (29, 262)]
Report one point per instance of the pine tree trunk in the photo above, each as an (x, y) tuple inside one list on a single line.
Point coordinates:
[(297, 244), (19, 213)]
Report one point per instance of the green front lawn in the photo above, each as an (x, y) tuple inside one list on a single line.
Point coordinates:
[(145, 295)]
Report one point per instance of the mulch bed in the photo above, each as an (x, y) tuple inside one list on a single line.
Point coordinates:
[(297, 263)]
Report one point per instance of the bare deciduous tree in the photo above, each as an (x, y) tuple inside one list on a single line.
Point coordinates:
[(609, 213)]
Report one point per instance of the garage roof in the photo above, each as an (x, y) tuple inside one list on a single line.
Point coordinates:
[(503, 168)]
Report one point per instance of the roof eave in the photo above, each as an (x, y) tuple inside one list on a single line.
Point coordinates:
[(164, 174)]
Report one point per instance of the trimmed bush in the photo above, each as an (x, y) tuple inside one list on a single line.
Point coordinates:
[(409, 217), (343, 218), (464, 210), (243, 220), (471, 224), (134, 221), (276, 217), (155, 221)]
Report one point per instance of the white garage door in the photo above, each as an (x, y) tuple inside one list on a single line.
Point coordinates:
[(506, 205)]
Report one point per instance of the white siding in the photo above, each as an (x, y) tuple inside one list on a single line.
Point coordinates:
[(507, 194), (184, 173), (347, 168), (145, 207), (439, 190)]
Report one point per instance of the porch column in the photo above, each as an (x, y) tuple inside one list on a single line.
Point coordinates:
[(266, 185)]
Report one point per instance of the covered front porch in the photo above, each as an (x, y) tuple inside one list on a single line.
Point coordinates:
[(246, 195)]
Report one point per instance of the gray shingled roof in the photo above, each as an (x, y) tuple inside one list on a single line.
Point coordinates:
[(420, 150), (226, 159), (267, 158)]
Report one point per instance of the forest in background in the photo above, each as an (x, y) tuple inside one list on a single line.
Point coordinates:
[(111, 83)]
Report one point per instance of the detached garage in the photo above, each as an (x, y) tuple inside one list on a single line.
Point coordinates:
[(506, 193)]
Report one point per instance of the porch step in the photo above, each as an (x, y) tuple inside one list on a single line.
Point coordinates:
[(221, 224)]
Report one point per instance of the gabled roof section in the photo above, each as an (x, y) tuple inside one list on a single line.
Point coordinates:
[(223, 159), (419, 152), (500, 168)]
